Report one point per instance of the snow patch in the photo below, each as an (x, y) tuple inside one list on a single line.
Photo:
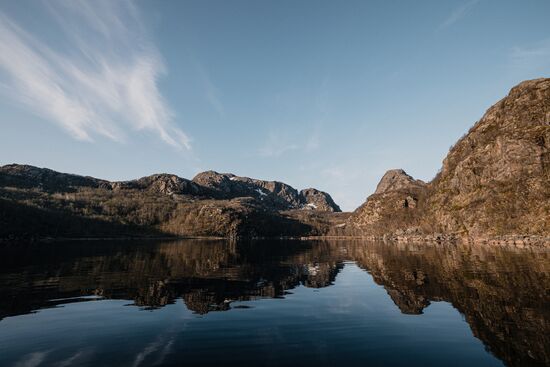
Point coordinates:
[(261, 192), (311, 205)]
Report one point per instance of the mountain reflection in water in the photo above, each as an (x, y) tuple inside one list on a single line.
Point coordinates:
[(503, 294)]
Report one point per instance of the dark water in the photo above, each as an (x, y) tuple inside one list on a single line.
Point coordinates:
[(275, 303)]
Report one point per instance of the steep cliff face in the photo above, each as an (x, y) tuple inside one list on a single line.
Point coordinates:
[(494, 181)]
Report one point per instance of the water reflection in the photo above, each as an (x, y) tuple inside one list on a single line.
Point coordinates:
[(503, 294)]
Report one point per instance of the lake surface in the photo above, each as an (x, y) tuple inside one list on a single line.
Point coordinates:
[(273, 303)]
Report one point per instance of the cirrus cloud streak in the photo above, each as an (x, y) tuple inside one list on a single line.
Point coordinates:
[(97, 77)]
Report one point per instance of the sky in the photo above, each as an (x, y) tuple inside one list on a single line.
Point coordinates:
[(324, 94)]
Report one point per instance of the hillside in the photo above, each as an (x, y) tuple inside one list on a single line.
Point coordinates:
[(39, 202), (495, 181)]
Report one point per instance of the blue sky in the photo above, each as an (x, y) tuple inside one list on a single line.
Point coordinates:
[(325, 94)]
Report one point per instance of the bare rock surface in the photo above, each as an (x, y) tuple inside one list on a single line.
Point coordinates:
[(274, 193), (395, 204), (495, 181), (397, 179)]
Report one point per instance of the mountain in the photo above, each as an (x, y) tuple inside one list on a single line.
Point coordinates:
[(397, 200), (39, 202), (494, 186), (495, 181)]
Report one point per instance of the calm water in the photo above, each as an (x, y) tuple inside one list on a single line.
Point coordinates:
[(274, 303)]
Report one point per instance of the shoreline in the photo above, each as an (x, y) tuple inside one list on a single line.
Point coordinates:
[(517, 241)]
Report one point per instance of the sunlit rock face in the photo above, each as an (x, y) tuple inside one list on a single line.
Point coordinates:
[(502, 292), (494, 180), (395, 180)]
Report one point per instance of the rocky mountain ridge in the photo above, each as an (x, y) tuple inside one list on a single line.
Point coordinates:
[(277, 194), (495, 181), (34, 200)]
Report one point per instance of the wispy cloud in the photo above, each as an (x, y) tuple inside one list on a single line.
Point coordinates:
[(533, 58), (312, 143), (277, 144), (98, 78), (210, 90), (459, 13)]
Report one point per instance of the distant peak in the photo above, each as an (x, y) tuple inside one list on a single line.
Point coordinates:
[(396, 179), (314, 199)]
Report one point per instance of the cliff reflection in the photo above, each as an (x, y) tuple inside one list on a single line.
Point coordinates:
[(503, 293)]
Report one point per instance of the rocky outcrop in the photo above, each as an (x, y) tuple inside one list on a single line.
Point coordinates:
[(494, 181), (163, 184), (273, 193), (396, 204), (397, 180), (313, 199), (226, 185)]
